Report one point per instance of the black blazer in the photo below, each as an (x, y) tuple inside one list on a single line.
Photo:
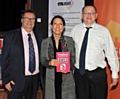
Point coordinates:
[(12, 59)]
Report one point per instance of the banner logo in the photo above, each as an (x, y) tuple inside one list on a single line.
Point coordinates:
[(68, 3)]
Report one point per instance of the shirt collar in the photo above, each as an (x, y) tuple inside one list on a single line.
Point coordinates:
[(93, 26), (24, 32)]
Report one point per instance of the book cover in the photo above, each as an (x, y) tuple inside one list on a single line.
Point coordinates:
[(64, 61)]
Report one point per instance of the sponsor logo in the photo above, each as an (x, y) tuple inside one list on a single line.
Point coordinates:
[(68, 4)]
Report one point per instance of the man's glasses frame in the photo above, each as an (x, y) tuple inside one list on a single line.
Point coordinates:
[(89, 13), (29, 19)]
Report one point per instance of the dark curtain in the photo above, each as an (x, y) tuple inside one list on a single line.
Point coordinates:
[(89, 2), (10, 14)]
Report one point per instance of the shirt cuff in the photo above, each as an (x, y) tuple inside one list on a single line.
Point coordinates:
[(114, 74)]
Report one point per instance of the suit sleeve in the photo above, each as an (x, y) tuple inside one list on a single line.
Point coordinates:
[(72, 54), (5, 59), (44, 54)]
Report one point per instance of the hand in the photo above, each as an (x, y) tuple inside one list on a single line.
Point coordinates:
[(54, 62), (8, 85), (64, 72), (114, 82)]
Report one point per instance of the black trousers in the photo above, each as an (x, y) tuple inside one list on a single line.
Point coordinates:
[(30, 89), (91, 85), (58, 85)]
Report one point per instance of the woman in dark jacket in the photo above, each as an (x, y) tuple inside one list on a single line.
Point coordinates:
[(58, 85)]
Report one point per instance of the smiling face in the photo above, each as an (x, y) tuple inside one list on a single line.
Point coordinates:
[(89, 15), (57, 26), (28, 21)]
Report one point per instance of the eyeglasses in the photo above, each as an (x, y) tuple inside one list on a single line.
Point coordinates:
[(29, 19), (89, 13)]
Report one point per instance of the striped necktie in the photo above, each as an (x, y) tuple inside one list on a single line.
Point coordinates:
[(31, 54)]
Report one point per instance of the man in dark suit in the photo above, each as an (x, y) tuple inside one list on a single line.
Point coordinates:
[(18, 75)]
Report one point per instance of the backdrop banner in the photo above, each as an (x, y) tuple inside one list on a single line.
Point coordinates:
[(69, 9), (109, 16)]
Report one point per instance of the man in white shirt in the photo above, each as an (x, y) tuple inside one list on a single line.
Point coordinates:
[(20, 68), (92, 83)]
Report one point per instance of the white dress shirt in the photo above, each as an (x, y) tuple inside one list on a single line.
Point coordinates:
[(99, 46), (26, 52)]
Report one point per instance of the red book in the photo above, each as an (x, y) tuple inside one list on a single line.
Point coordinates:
[(64, 61)]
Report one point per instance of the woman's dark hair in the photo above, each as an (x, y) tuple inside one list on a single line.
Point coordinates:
[(58, 16)]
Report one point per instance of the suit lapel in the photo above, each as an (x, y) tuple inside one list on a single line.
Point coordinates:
[(19, 41)]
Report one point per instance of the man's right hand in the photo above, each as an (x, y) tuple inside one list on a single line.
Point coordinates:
[(8, 85)]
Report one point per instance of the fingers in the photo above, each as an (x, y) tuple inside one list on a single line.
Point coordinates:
[(8, 86), (65, 72), (12, 82), (114, 83), (53, 62)]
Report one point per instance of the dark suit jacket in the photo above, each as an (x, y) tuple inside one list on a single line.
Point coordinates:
[(13, 59)]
